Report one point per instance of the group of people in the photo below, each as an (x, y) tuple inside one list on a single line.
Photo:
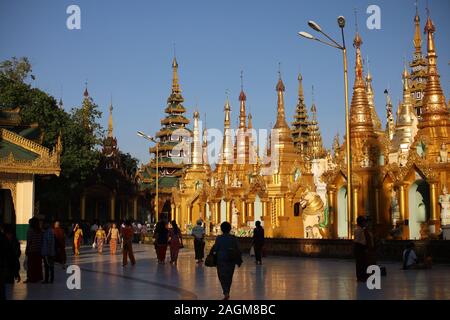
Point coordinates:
[(46, 245), (165, 237), (100, 238), (110, 234), (365, 255)]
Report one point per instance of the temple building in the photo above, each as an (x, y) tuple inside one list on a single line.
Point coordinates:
[(297, 188), (366, 158), (169, 156), (22, 158), (110, 193), (276, 188), (415, 192)]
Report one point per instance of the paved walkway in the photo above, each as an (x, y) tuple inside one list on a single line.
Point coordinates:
[(284, 278)]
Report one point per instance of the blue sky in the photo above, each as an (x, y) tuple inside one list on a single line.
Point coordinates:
[(125, 48)]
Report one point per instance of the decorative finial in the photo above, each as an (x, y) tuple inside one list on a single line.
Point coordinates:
[(356, 19), (242, 96), (242, 80), (280, 84), (86, 93)]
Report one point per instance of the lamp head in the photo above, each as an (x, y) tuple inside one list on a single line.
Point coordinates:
[(314, 26), (341, 22), (140, 134), (306, 35)]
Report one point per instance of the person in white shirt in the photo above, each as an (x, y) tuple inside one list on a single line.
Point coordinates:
[(410, 260), (199, 241)]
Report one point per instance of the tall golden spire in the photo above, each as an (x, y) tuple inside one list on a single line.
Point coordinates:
[(406, 123), (227, 146), (390, 125), (370, 97), (242, 99), (315, 146), (301, 96), (197, 148), (417, 37), (110, 120), (360, 114), (281, 117), (175, 84), (300, 125), (435, 112)]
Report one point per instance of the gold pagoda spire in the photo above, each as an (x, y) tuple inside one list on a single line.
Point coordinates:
[(227, 146), (417, 37), (205, 147), (435, 112), (175, 83), (360, 115), (300, 125), (390, 125), (406, 124), (301, 96), (242, 99), (370, 97), (281, 118), (110, 120), (197, 148), (315, 145)]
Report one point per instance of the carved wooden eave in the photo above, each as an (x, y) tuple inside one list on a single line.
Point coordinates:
[(390, 170), (47, 162), (415, 162), (329, 177)]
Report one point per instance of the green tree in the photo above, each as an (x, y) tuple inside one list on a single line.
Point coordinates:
[(16, 70), (80, 130)]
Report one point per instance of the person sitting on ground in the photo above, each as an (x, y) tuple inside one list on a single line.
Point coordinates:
[(410, 260)]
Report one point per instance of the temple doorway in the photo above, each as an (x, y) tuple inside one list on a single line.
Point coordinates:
[(258, 210), (7, 213), (342, 220), (419, 207), (166, 213)]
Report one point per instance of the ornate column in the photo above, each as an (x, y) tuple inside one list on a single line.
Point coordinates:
[(332, 210), (402, 202), (355, 204), (377, 205), (135, 207), (83, 206), (228, 206), (244, 212), (251, 211), (189, 215), (172, 213), (434, 217), (112, 207), (282, 207)]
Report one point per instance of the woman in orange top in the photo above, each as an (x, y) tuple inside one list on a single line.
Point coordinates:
[(77, 237), (100, 237), (113, 235)]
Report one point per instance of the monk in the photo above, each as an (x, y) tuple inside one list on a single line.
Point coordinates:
[(60, 244)]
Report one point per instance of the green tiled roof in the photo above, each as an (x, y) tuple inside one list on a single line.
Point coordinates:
[(19, 153)]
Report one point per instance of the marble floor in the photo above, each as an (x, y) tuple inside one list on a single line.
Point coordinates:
[(280, 278)]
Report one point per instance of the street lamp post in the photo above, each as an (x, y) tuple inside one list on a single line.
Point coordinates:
[(143, 135), (334, 44)]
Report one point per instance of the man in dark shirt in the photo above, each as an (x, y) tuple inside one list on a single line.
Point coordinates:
[(258, 241)]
